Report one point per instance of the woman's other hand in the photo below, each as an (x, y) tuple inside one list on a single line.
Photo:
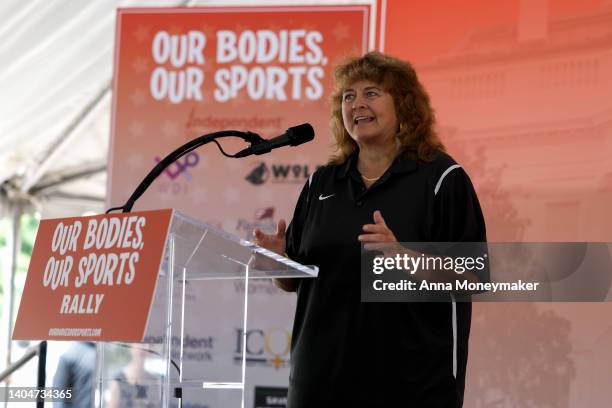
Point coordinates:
[(274, 242), (378, 237), (377, 232)]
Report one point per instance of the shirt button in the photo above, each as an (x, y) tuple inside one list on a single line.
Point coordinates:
[(359, 203)]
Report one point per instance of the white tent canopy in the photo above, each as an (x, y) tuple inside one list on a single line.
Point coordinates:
[(54, 121), (55, 82)]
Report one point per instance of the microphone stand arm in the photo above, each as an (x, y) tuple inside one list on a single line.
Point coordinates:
[(252, 138)]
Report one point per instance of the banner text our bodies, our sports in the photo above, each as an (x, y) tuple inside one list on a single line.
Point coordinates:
[(263, 64)]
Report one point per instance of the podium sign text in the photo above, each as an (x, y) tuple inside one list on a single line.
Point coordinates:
[(93, 278)]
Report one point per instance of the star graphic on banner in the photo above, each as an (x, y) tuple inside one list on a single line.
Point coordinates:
[(140, 65), (234, 165), (238, 28), (301, 158), (138, 97), (303, 101), (141, 33), (135, 161), (165, 196), (263, 196), (272, 102), (207, 95), (200, 194), (175, 29), (229, 226), (237, 101), (208, 31), (207, 69), (231, 195), (340, 58), (170, 130), (341, 32), (136, 128)]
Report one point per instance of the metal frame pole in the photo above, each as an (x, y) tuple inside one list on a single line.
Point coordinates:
[(42, 370), (17, 211)]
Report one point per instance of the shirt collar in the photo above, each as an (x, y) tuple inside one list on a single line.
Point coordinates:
[(401, 164), (350, 162)]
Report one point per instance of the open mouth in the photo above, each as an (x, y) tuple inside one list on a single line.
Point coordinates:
[(362, 119)]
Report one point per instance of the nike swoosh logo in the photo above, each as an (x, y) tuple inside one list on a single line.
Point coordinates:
[(322, 197)]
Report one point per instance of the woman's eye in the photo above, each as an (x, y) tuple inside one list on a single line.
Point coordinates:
[(348, 97), (371, 94)]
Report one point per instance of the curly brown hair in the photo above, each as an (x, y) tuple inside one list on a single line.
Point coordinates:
[(417, 138)]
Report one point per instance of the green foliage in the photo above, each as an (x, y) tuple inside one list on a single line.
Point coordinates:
[(29, 226)]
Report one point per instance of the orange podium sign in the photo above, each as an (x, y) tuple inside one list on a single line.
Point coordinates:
[(93, 278)]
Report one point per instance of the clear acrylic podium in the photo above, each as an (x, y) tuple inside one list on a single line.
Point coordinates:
[(194, 345)]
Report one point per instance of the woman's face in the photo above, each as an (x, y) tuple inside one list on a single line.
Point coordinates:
[(368, 113)]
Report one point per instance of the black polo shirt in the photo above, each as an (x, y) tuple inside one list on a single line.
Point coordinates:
[(348, 353)]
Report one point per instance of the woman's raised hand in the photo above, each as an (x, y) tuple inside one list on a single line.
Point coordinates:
[(379, 237), (377, 232), (274, 242)]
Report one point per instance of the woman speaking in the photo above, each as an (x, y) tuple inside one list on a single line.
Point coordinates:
[(389, 181)]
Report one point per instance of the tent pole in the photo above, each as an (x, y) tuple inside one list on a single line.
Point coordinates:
[(15, 247)]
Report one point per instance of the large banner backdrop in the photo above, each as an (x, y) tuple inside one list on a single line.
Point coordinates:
[(181, 73)]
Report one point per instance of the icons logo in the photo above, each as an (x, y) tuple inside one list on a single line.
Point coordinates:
[(268, 347)]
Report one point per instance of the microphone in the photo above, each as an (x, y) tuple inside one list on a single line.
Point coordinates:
[(294, 136)]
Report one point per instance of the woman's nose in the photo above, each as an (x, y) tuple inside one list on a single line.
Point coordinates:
[(358, 102)]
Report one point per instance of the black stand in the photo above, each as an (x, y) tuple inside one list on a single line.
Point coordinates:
[(250, 137)]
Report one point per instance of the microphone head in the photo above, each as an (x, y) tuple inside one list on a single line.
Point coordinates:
[(300, 134)]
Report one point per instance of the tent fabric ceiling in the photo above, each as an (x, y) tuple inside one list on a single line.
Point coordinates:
[(55, 78), (56, 59)]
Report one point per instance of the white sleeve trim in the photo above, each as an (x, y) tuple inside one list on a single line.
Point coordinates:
[(454, 324), (439, 183)]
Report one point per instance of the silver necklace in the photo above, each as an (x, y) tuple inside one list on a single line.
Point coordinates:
[(369, 179)]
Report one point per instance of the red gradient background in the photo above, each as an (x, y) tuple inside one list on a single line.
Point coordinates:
[(522, 94)]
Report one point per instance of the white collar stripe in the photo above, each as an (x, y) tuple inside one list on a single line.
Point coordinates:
[(439, 183)]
